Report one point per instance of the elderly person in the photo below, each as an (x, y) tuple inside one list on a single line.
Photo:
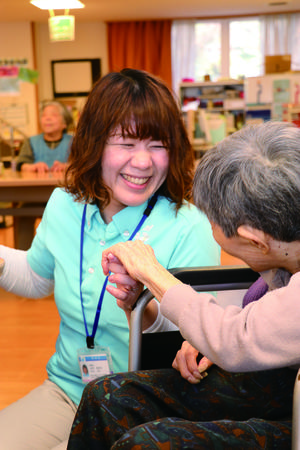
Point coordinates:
[(249, 188), (49, 150), (44, 152)]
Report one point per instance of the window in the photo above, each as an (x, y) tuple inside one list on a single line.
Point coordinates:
[(246, 54), (228, 48), (219, 48), (232, 47), (208, 49)]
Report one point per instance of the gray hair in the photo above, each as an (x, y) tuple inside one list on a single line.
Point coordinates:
[(253, 178), (65, 113)]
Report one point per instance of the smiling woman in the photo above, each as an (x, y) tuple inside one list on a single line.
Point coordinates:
[(133, 170), (129, 177)]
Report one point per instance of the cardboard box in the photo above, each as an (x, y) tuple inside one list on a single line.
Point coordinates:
[(277, 63)]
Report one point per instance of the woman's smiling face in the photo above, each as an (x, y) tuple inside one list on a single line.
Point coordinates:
[(133, 169)]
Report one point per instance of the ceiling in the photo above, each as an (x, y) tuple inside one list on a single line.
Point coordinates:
[(116, 10)]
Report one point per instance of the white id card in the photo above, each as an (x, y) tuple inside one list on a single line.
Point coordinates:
[(94, 363)]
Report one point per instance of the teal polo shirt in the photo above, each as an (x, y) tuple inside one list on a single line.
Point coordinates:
[(178, 240)]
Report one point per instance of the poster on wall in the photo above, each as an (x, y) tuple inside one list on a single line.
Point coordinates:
[(12, 72), (9, 82), (15, 114), (258, 91), (281, 91)]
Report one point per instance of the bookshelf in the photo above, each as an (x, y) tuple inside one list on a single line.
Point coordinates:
[(212, 110)]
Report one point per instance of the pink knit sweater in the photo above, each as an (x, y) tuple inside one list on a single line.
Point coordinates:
[(263, 335)]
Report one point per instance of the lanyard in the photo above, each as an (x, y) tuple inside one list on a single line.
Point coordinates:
[(90, 338)]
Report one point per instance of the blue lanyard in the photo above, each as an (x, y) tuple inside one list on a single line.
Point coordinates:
[(90, 338)]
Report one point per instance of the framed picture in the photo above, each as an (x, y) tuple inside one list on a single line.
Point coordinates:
[(74, 77)]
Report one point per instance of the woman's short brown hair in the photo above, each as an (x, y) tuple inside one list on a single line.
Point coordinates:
[(143, 106)]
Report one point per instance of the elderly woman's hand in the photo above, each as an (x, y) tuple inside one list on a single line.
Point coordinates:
[(58, 166), (135, 256), (39, 167), (186, 363), (140, 263), (127, 289)]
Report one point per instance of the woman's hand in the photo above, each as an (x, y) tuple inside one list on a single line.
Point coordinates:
[(127, 289), (186, 363)]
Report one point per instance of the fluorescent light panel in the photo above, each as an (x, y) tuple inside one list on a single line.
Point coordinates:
[(57, 4)]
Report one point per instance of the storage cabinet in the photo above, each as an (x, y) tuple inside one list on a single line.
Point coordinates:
[(279, 93), (212, 110)]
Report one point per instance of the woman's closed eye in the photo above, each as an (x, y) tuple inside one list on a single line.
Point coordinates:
[(127, 145), (157, 145)]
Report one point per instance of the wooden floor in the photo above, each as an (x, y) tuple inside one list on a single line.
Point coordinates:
[(27, 339)]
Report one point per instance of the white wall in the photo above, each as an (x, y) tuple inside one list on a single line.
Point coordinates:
[(90, 42), (16, 42)]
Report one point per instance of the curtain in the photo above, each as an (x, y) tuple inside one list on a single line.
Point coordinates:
[(295, 41), (282, 36), (144, 45), (183, 51), (276, 34)]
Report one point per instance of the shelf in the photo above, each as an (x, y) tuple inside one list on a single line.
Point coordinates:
[(212, 83), (203, 118)]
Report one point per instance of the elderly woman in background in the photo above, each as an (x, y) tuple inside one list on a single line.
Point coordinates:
[(45, 152), (249, 188), (49, 150)]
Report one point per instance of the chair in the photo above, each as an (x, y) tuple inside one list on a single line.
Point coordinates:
[(157, 350), (296, 414)]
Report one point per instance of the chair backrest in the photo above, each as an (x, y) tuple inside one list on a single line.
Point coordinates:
[(296, 414), (157, 350)]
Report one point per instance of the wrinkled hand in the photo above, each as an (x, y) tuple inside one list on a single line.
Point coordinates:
[(39, 167), (135, 256), (186, 363), (140, 263), (127, 289)]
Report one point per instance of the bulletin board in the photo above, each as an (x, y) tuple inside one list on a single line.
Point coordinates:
[(15, 113)]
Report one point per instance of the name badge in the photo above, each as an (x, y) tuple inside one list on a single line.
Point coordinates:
[(94, 363)]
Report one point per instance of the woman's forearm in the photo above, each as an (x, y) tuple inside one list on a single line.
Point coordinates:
[(158, 280)]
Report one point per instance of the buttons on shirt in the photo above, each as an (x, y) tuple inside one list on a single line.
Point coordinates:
[(126, 233), (91, 270), (102, 242)]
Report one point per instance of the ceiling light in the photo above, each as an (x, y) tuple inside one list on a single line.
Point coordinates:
[(57, 4), (61, 28)]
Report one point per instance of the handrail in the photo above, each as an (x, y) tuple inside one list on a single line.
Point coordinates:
[(12, 127), (9, 142)]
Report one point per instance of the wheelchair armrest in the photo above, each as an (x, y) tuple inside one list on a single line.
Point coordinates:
[(212, 278), (296, 414)]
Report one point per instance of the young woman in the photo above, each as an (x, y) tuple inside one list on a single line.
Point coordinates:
[(129, 177)]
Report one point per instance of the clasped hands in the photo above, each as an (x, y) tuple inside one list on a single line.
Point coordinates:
[(41, 167), (129, 266)]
